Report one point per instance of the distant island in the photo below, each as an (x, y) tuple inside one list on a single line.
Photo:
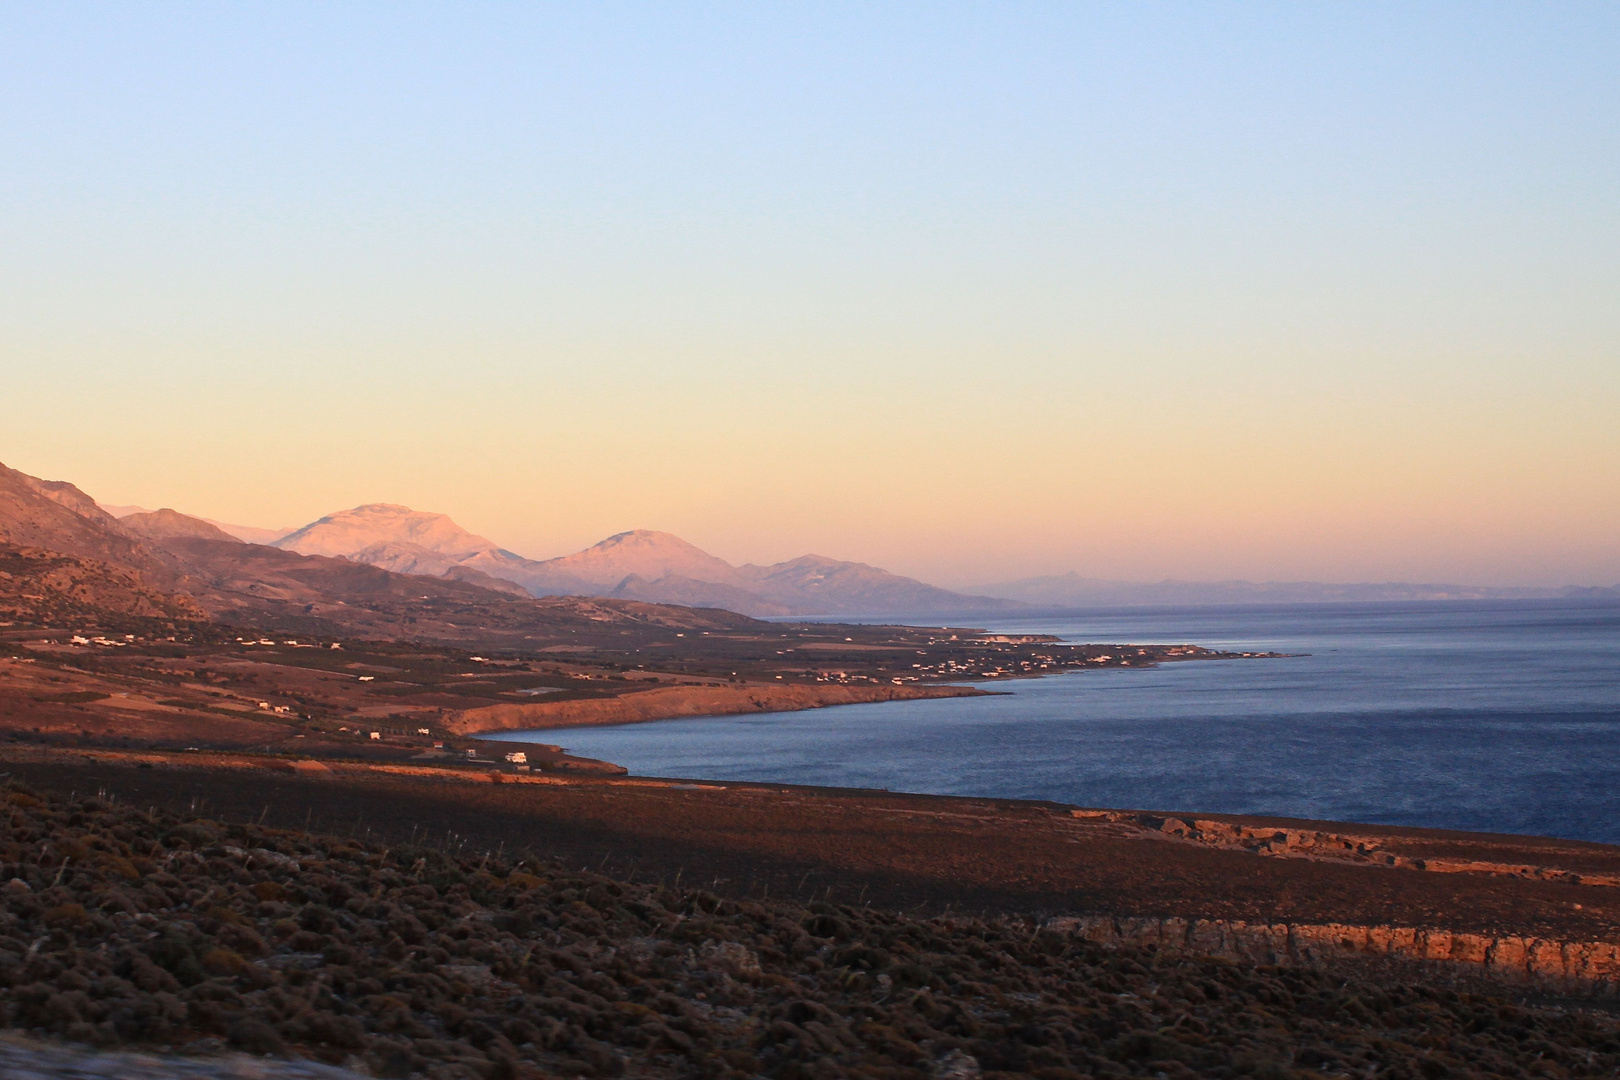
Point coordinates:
[(1071, 590)]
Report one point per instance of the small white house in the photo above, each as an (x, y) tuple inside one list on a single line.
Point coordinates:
[(518, 757), (376, 735)]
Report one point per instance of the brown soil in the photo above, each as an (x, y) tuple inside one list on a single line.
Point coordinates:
[(668, 702)]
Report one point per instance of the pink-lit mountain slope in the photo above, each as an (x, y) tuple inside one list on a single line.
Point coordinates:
[(642, 564)]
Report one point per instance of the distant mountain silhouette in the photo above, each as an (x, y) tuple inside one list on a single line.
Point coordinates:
[(641, 553), (170, 525), (641, 564), (817, 585), (252, 534), (387, 532)]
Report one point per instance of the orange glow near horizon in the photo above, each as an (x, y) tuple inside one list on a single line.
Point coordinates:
[(1197, 482), (972, 294)]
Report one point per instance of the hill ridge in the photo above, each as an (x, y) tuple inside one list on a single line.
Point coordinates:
[(642, 564)]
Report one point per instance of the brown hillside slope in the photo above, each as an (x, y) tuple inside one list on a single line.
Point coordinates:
[(185, 565), (66, 558), (65, 494), (33, 519), (256, 584), (51, 589)]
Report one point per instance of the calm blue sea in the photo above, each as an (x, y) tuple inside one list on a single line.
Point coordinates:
[(1493, 716)]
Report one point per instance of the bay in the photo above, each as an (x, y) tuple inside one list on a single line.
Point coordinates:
[(1485, 716)]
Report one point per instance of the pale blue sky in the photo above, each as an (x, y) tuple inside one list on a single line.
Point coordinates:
[(966, 290)]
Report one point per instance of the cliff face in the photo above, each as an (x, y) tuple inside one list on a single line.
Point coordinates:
[(670, 702), (1571, 966)]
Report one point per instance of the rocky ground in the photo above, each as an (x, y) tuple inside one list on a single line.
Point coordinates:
[(123, 926)]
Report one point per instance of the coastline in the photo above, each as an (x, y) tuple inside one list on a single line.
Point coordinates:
[(678, 702)]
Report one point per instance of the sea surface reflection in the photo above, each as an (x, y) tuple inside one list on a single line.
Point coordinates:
[(1489, 716)]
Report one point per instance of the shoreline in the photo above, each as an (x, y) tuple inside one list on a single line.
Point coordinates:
[(687, 702)]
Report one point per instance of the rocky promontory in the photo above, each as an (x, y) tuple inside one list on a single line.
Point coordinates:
[(671, 702)]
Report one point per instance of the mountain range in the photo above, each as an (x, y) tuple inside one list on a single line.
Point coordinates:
[(661, 568), (65, 561), (642, 564), (168, 551)]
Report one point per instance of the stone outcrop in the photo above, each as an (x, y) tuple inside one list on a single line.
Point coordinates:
[(1364, 848), (1585, 967)]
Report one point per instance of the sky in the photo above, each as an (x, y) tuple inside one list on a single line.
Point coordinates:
[(968, 291)]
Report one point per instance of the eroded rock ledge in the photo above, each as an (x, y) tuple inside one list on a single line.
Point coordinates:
[(1367, 848), (1583, 967), (129, 926)]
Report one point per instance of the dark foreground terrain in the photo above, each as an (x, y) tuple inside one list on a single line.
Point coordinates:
[(919, 853), (123, 925)]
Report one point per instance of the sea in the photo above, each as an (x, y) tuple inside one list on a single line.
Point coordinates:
[(1488, 716)]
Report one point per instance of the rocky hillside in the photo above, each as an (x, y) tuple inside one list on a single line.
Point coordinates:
[(51, 589), (68, 562), (121, 926), (65, 561), (393, 537), (56, 516)]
